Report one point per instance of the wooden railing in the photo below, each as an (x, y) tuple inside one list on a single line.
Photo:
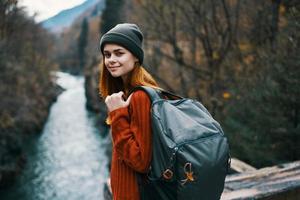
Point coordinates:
[(280, 182)]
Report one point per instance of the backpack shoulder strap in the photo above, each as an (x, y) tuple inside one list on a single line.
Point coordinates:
[(154, 94)]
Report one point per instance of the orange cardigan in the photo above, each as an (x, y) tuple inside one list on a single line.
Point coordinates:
[(132, 146)]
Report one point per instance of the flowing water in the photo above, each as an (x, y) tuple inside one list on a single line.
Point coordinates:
[(67, 161)]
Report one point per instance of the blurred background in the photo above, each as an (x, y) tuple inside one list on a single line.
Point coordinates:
[(240, 58)]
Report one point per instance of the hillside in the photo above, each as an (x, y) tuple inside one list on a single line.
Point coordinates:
[(66, 17)]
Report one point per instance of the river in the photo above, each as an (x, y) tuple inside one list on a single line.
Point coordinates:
[(67, 161)]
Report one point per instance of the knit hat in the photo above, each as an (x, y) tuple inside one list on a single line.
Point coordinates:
[(127, 35)]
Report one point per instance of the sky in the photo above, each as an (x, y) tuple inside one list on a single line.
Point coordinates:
[(47, 8)]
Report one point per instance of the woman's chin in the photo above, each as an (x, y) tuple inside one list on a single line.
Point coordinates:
[(115, 75)]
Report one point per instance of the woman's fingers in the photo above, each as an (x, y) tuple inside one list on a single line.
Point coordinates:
[(107, 99), (116, 101), (121, 93)]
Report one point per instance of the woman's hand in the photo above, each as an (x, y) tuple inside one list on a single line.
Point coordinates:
[(116, 101)]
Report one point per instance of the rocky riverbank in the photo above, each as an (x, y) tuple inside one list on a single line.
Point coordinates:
[(94, 102), (13, 138)]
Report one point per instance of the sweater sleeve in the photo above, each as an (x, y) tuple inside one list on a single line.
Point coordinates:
[(131, 133)]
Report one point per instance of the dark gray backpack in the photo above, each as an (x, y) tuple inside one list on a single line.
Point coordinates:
[(190, 152)]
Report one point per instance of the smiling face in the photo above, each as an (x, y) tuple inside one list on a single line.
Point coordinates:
[(118, 60)]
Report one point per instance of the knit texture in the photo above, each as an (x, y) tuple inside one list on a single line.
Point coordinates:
[(132, 146), (126, 35)]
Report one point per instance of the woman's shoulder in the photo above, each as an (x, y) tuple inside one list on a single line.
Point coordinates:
[(140, 102), (140, 95)]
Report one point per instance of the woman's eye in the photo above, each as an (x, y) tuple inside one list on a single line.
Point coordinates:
[(106, 55), (119, 53)]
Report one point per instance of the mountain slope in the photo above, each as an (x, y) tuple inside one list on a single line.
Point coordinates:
[(66, 17)]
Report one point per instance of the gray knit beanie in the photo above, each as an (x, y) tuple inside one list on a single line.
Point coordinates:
[(127, 35)]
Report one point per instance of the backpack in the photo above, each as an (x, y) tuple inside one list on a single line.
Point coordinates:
[(190, 157)]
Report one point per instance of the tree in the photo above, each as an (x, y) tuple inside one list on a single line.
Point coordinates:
[(82, 43), (264, 119), (195, 38), (112, 15), (26, 86)]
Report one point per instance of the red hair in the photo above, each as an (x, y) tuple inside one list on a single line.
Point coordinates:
[(137, 77)]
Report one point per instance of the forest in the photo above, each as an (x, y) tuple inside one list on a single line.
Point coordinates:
[(240, 58), (26, 84)]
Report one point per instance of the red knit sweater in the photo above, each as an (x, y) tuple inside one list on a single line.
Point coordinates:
[(132, 146)]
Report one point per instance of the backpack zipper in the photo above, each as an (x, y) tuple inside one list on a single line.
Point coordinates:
[(198, 139), (178, 146)]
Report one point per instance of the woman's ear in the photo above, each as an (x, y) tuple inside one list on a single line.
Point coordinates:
[(136, 59), (137, 64)]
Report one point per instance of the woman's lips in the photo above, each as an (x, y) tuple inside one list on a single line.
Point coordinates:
[(113, 68)]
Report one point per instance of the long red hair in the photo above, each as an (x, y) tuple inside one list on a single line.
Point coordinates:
[(137, 77)]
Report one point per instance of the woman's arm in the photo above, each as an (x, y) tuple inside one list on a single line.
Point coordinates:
[(131, 133)]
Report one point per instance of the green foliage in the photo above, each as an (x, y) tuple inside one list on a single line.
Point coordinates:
[(82, 43), (264, 123), (111, 15), (26, 88)]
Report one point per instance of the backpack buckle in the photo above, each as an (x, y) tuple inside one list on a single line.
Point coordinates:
[(188, 173), (167, 174)]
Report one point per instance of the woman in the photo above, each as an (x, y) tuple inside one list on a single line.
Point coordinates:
[(129, 114)]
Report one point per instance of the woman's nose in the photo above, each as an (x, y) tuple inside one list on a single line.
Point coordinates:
[(112, 59)]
